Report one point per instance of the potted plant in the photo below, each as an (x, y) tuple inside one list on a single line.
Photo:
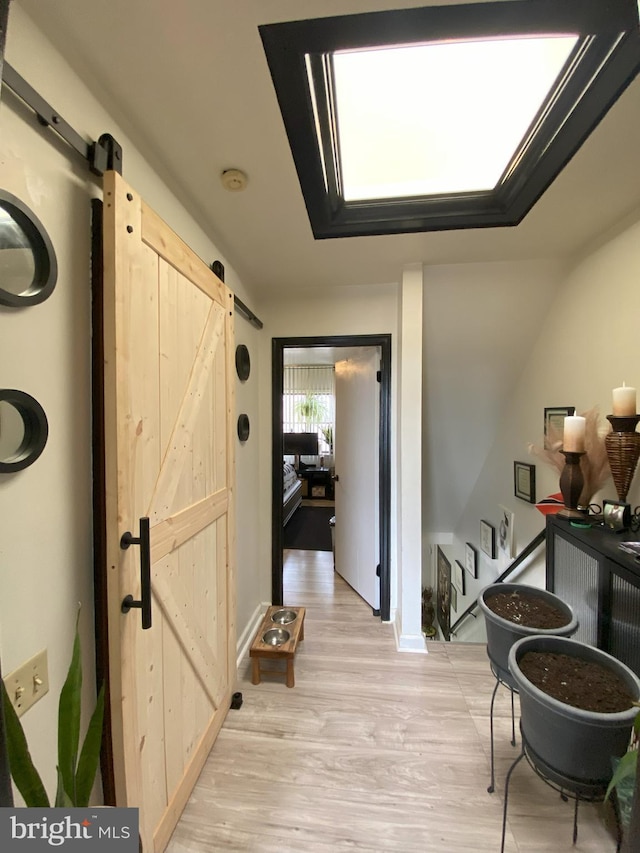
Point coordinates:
[(327, 434), (76, 770), (574, 742), (625, 783), (311, 409), (519, 619), (428, 612)]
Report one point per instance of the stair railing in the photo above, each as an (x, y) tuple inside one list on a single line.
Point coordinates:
[(535, 543)]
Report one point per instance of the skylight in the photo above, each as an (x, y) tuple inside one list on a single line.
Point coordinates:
[(439, 118)]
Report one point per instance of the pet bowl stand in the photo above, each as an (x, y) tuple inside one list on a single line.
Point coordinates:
[(261, 651)]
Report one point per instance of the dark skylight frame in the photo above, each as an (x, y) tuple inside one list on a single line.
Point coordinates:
[(605, 61)]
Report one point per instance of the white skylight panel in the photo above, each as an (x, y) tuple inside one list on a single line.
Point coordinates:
[(439, 118)]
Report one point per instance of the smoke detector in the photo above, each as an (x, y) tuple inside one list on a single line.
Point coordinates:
[(234, 180)]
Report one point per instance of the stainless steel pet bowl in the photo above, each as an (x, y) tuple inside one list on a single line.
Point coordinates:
[(284, 617), (275, 637)]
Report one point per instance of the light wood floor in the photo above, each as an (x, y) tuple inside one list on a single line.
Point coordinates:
[(372, 750)]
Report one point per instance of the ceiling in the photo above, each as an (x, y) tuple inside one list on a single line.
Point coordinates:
[(190, 84)]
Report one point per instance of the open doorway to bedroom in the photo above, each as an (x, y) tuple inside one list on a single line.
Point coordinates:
[(331, 459), (308, 425)]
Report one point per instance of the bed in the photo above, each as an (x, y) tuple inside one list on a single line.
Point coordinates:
[(292, 492)]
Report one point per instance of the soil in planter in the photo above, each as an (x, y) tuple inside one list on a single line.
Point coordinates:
[(581, 683), (527, 609)]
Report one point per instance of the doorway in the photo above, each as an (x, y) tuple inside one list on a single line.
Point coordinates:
[(279, 345)]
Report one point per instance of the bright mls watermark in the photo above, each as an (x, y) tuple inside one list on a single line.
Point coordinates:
[(103, 830)]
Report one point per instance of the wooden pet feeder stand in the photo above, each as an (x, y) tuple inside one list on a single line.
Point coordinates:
[(277, 639)]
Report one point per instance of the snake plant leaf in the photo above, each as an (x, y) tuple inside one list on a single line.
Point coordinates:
[(627, 766), (62, 798), (90, 754), (69, 719), (26, 777)]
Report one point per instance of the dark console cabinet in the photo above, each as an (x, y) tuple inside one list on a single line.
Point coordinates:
[(588, 570)]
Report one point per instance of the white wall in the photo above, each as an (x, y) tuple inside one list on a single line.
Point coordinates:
[(331, 311), (45, 511), (410, 460), (587, 346), (480, 323)]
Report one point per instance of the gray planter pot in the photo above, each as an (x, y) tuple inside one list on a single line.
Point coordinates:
[(574, 743), (502, 633)]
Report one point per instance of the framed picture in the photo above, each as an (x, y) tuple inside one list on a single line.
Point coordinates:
[(471, 560), (458, 577), (524, 481), (443, 599), (454, 598), (506, 538), (488, 539), (554, 424)]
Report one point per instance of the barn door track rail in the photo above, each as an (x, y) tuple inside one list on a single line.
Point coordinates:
[(103, 155)]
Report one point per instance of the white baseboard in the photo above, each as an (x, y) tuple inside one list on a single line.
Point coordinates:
[(414, 643), (246, 638)]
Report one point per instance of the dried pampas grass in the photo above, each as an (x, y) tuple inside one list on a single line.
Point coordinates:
[(594, 464)]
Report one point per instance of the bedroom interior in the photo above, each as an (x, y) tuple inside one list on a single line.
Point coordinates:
[(486, 325), (310, 414), (308, 406)]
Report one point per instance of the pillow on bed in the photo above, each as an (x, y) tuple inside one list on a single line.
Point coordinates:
[(289, 475)]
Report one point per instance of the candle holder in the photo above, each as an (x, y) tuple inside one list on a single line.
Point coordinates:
[(623, 450), (571, 484)]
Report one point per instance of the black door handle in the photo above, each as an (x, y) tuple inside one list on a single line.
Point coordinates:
[(335, 478), (144, 603)]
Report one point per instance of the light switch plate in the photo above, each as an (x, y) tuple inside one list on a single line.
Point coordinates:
[(28, 683)]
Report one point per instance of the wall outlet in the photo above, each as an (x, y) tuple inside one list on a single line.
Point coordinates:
[(28, 683)]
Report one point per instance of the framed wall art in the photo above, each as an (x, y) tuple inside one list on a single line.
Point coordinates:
[(454, 598), (471, 560), (488, 539), (524, 481), (554, 423), (443, 599), (458, 577), (506, 528)]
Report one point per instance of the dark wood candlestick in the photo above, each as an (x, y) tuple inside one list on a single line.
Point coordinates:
[(571, 484)]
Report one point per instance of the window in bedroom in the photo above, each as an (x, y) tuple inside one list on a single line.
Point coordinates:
[(308, 402)]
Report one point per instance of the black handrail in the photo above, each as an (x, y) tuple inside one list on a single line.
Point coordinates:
[(522, 556)]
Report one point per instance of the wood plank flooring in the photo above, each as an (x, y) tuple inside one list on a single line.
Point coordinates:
[(372, 750)]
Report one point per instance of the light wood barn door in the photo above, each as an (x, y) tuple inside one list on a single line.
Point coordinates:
[(169, 441)]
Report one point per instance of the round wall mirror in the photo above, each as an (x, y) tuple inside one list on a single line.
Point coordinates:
[(23, 430), (243, 362), (243, 427), (28, 266)]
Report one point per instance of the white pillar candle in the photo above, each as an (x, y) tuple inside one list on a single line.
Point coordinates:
[(574, 432), (624, 401)]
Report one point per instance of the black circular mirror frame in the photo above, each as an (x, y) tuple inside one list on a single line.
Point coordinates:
[(36, 430), (44, 257), (243, 427), (243, 362)]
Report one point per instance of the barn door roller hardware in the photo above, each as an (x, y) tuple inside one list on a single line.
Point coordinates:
[(218, 268), (103, 155)]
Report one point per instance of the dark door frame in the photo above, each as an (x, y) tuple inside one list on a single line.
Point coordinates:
[(278, 345)]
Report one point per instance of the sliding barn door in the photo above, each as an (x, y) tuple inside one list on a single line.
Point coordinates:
[(169, 440)]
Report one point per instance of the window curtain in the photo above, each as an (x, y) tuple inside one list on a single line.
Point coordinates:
[(308, 403)]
